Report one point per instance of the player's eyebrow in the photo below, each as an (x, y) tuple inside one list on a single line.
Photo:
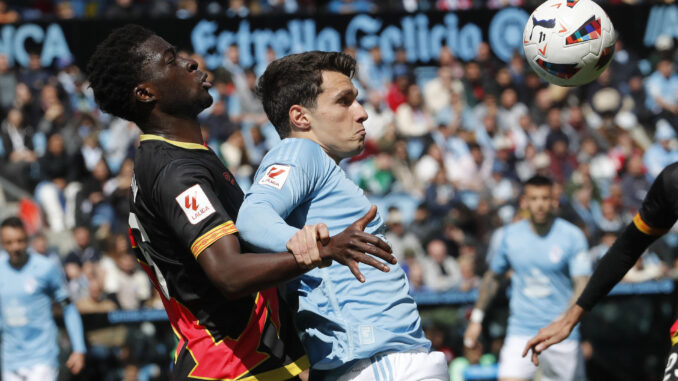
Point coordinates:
[(346, 92), (171, 50)]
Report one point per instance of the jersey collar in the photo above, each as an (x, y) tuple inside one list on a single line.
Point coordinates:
[(177, 143)]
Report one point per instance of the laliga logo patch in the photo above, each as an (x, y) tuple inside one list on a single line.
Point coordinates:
[(195, 204), (275, 176)]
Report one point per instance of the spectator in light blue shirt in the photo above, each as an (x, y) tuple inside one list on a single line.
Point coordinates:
[(662, 91), (662, 152)]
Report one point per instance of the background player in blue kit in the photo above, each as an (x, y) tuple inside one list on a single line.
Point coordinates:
[(29, 284), (550, 264), (351, 331)]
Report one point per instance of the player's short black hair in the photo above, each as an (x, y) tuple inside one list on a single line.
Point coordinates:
[(538, 181), (115, 69), (13, 222), (297, 79)]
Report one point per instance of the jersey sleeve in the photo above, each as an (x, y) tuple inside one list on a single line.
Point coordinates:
[(580, 262), (56, 282), (499, 262), (185, 193), (280, 186), (659, 210)]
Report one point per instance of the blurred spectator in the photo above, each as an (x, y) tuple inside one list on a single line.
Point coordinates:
[(373, 72), (40, 246), (647, 267), (56, 191), (380, 119), (8, 16), (634, 183), (439, 195), (423, 226), (469, 278), (122, 9), (437, 91), (93, 207), (83, 254), (663, 152), (376, 175), (472, 171), (441, 271), (415, 276), (18, 157), (127, 283), (8, 82), (350, 6), (411, 119), (400, 238), (662, 90), (34, 76)]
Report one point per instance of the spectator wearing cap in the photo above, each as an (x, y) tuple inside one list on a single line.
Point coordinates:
[(662, 90), (400, 238), (663, 151), (441, 271)]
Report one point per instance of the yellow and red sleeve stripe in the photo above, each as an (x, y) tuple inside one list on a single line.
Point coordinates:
[(205, 240), (645, 228)]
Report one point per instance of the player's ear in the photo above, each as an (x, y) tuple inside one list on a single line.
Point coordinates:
[(299, 118), (145, 92)]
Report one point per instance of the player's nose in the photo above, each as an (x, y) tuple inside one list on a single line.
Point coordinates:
[(361, 114)]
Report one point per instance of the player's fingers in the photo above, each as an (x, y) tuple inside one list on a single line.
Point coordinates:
[(307, 231), (353, 266), (375, 251), (530, 344), (293, 244), (374, 240), (367, 218), (323, 233), (535, 358), (369, 260), (312, 245)]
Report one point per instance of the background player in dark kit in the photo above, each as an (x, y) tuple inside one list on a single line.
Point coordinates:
[(229, 321)]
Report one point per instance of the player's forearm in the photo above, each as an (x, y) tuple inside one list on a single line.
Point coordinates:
[(255, 272), (578, 285), (615, 264), (73, 323), (487, 290)]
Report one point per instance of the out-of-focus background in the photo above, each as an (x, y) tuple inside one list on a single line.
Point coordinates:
[(456, 121)]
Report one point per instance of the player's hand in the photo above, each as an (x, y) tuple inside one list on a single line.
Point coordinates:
[(303, 245), (554, 333), (75, 362), (350, 247), (472, 333)]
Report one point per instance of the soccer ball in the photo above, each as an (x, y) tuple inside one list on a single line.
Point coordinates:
[(569, 42)]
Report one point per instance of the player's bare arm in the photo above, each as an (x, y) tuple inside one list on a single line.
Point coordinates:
[(486, 292), (237, 275), (578, 286)]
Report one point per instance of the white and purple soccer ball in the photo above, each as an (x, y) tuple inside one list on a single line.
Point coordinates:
[(569, 42)]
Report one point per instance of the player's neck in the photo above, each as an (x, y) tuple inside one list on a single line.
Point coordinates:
[(542, 228), (182, 129), (19, 262), (310, 136)]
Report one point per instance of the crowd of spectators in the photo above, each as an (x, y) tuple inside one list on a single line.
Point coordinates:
[(16, 10), (447, 148)]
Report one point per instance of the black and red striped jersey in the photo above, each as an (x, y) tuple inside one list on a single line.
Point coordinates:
[(183, 199)]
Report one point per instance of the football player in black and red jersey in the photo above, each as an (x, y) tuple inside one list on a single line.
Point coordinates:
[(657, 214), (221, 303)]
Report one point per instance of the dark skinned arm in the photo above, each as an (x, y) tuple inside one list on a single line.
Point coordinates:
[(238, 274)]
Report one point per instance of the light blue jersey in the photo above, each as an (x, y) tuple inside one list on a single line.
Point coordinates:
[(29, 334), (339, 318), (543, 268)]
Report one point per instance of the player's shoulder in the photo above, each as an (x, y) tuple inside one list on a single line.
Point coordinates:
[(41, 264), (294, 150), (565, 227), (515, 228)]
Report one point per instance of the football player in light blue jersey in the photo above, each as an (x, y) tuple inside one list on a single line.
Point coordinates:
[(350, 330), (550, 264), (29, 284)]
